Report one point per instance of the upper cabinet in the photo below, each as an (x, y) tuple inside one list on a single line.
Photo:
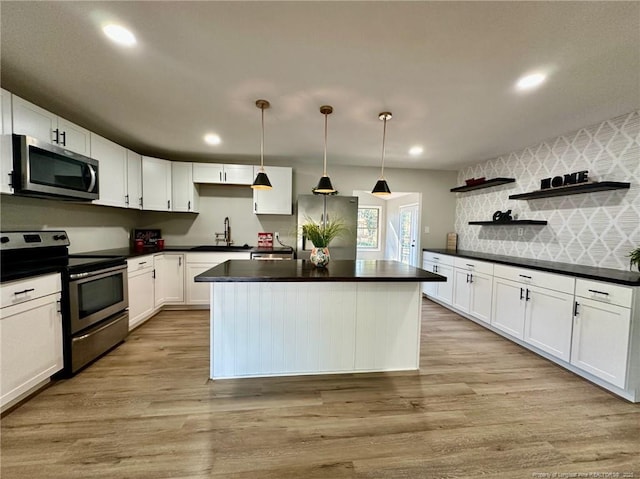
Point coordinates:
[(112, 171), (222, 174), (6, 151), (156, 184), (31, 120), (184, 193), (134, 180), (277, 200)]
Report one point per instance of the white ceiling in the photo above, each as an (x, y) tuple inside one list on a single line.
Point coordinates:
[(446, 70)]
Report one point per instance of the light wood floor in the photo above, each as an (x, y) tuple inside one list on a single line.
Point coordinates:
[(479, 407)]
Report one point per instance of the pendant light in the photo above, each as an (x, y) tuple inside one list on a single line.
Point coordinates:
[(324, 185), (262, 180), (382, 188)]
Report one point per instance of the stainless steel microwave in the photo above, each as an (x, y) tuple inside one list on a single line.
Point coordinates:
[(44, 170)]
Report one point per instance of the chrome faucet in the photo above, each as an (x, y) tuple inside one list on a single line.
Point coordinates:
[(227, 232)]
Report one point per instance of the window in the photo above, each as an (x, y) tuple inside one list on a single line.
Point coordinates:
[(369, 227)]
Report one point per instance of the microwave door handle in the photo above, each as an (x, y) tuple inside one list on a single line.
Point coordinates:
[(92, 172)]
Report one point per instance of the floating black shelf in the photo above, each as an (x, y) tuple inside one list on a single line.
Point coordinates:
[(572, 190), (485, 184), (508, 223)]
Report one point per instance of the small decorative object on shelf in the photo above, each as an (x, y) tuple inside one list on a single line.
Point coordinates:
[(483, 184), (635, 258), (566, 180), (321, 234), (500, 217), (589, 187), (475, 181)]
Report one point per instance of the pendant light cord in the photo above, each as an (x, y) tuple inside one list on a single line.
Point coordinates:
[(324, 171), (262, 142), (384, 137)]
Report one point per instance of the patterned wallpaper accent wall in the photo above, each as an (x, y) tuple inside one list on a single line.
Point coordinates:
[(593, 229)]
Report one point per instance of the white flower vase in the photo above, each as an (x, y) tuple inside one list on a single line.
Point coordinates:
[(320, 257)]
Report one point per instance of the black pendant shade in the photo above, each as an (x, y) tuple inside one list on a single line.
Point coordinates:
[(324, 186), (381, 188), (261, 182)]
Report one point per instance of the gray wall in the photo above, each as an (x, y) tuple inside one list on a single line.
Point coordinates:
[(593, 229)]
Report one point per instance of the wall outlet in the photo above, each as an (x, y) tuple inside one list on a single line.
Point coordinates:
[(426, 230), (520, 231), (276, 235)]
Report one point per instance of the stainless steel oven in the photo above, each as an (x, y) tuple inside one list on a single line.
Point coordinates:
[(96, 295)]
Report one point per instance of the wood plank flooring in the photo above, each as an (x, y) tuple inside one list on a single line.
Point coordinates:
[(480, 406)]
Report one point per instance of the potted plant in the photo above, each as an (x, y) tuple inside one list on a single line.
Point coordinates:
[(635, 258), (321, 234)]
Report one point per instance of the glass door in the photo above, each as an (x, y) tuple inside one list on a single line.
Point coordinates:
[(407, 250)]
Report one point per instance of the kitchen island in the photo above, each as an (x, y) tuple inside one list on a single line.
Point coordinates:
[(280, 318)]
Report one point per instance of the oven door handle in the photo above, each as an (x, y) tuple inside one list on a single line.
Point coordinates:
[(93, 274)]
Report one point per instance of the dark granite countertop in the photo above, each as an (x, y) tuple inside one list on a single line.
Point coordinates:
[(628, 278), (131, 253), (304, 270)]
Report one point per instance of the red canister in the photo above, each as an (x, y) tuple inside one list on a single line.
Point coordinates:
[(139, 246), (160, 243)]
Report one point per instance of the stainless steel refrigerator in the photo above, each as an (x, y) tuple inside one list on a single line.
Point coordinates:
[(319, 207)]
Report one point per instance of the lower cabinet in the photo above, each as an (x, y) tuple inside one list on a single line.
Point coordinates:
[(141, 289), (30, 336), (442, 265), (472, 288), (198, 293), (508, 307), (169, 276)]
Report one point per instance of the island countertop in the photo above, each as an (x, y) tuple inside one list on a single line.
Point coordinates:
[(303, 270)]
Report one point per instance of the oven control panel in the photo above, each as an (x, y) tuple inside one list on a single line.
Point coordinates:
[(32, 239)]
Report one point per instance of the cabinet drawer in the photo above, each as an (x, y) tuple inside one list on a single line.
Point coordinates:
[(556, 282), (474, 265), (438, 258), (141, 263), (19, 291), (606, 292)]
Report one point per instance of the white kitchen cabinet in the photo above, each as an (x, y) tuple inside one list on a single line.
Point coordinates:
[(429, 287), (134, 180), (6, 147), (508, 306), (198, 293), (112, 170), (222, 174), (442, 265), (141, 289), (169, 278), (277, 200), (156, 184), (31, 120), (30, 336), (473, 288), (184, 193), (602, 330)]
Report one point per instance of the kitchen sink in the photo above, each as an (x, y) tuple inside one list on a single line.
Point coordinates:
[(213, 248)]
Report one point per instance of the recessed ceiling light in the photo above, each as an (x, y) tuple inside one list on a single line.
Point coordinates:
[(528, 82), (212, 139), (415, 150), (119, 35)]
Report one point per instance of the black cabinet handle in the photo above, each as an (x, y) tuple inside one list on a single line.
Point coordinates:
[(154, 274), (24, 291), (575, 308), (56, 139), (471, 265), (189, 205), (64, 138), (142, 262), (140, 201), (524, 276), (168, 204), (471, 278), (126, 200), (467, 277), (521, 293), (225, 176), (527, 296), (599, 292)]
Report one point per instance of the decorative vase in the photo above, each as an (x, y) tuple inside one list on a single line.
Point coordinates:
[(320, 257)]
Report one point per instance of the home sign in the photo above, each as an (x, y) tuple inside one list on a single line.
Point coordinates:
[(566, 180)]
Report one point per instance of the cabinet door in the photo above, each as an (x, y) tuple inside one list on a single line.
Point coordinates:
[(461, 289), (277, 200), (31, 120), (508, 306), (207, 173), (141, 297), (30, 345), (134, 180), (171, 277), (6, 148), (549, 320), (481, 296), (429, 288), (445, 290), (74, 137), (601, 340), (156, 184), (238, 174), (197, 293), (184, 195), (112, 171)]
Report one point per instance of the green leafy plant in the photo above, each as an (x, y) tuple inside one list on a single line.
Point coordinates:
[(321, 235), (635, 257)]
